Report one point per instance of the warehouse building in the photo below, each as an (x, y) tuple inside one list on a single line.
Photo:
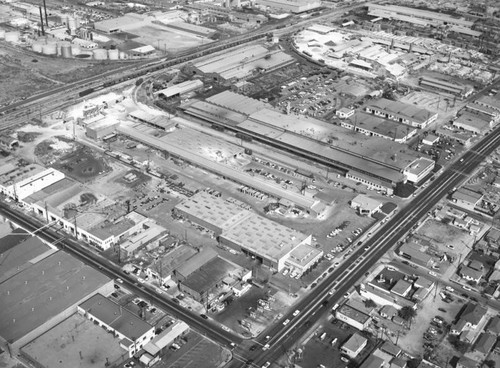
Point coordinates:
[(158, 345), (241, 63), (293, 6), (303, 258), (446, 86), (132, 330), (213, 213), (19, 182), (97, 130), (268, 241), (401, 112), (258, 121), (474, 123), (417, 16), (156, 121), (121, 24), (44, 294), (178, 90), (379, 127)]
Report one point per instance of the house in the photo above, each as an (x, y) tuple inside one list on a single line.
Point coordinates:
[(493, 236), (466, 198), (415, 253), (476, 265), (391, 349), (470, 317), (494, 325), (344, 113), (388, 312), (485, 343), (465, 362), (373, 362), (353, 346), (470, 274)]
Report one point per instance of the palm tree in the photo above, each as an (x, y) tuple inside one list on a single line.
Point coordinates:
[(407, 313)]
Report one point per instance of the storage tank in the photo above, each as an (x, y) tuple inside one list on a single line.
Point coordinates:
[(37, 46), (66, 50), (49, 49), (100, 54), (2, 34), (12, 36), (113, 54)]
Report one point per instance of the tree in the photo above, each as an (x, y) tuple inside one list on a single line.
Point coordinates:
[(490, 363), (407, 313), (370, 304)]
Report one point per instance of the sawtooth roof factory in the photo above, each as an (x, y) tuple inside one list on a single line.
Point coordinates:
[(363, 161)]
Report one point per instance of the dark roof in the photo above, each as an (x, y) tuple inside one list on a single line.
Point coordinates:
[(115, 316), (494, 325), (391, 348), (14, 238), (473, 313), (197, 261), (211, 273), (388, 207), (485, 342)]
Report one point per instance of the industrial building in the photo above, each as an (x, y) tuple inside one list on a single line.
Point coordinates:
[(446, 86), (401, 112), (241, 63), (293, 6), (364, 162), (375, 126), (19, 182), (268, 241), (178, 90), (45, 293), (121, 24), (213, 213), (21, 250), (474, 123), (162, 122), (99, 129), (132, 330), (84, 214), (365, 205), (417, 16)]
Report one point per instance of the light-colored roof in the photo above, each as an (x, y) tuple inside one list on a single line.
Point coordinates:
[(365, 202), (166, 337), (264, 237), (355, 343), (178, 89), (213, 210), (408, 111), (143, 49), (353, 313)]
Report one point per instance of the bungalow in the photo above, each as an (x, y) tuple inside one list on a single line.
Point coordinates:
[(470, 274)]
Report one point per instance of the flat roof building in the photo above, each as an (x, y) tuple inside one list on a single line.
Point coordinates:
[(446, 86), (180, 89), (473, 123), (401, 112), (44, 294), (133, 331), (269, 241), (353, 346), (353, 317), (303, 258), (213, 213)]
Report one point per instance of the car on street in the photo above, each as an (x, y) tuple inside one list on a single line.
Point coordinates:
[(266, 365), (265, 347), (204, 316), (465, 287), (296, 313), (432, 273), (286, 321), (450, 289)]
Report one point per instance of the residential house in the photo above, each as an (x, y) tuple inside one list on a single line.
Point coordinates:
[(388, 311), (470, 317), (494, 325), (465, 362), (485, 343), (354, 345), (470, 274)]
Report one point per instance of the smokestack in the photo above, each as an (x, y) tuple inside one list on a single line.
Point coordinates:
[(41, 20), (46, 17)]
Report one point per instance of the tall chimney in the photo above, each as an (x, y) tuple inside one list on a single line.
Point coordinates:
[(41, 20), (46, 17)]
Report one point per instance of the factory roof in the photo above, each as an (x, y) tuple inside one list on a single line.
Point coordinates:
[(408, 111), (365, 202), (465, 30), (173, 259), (210, 274), (321, 28), (11, 173), (353, 313), (442, 83), (178, 89), (489, 101), (115, 316), (19, 256), (12, 239), (42, 291), (467, 119), (419, 165), (119, 23), (158, 120), (241, 62), (236, 102), (146, 49), (198, 260), (106, 229), (166, 337), (385, 127), (201, 159), (108, 121), (214, 210), (467, 195), (415, 254), (133, 242), (264, 237)]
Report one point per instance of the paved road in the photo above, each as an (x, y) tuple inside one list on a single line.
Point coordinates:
[(318, 302)]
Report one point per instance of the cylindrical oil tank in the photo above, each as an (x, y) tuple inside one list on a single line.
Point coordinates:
[(37, 46), (12, 36), (113, 54), (49, 49), (123, 55), (100, 54), (2, 34), (66, 51), (75, 49)]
